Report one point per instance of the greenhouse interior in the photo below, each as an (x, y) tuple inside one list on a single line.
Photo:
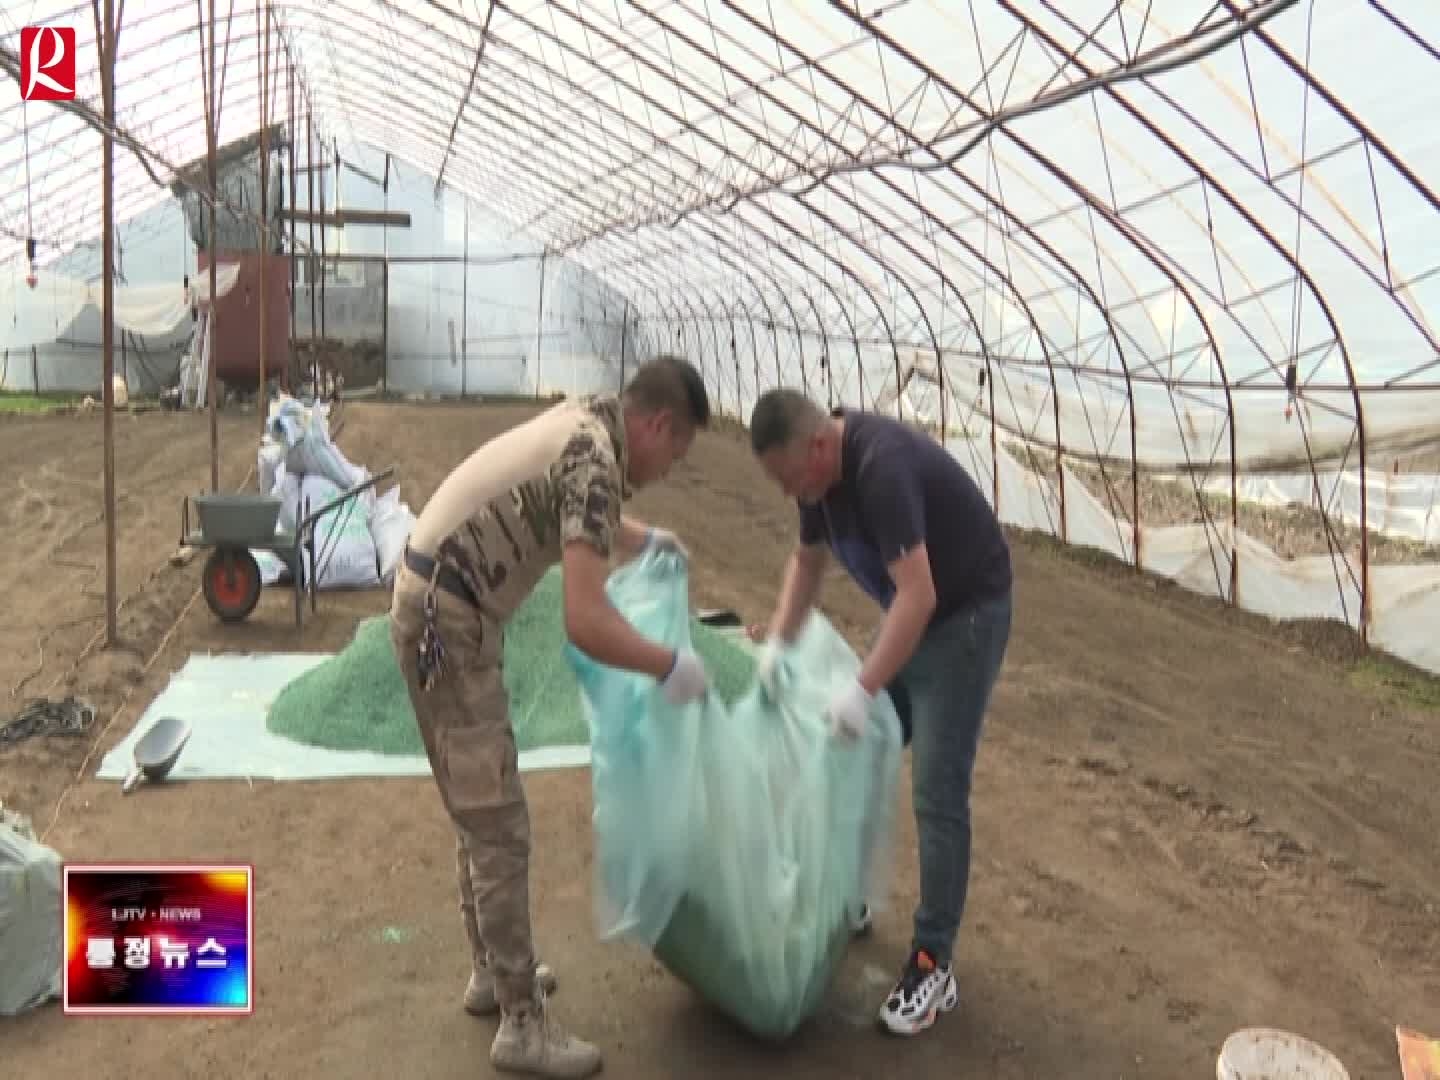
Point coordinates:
[(1152, 292), (1155, 274)]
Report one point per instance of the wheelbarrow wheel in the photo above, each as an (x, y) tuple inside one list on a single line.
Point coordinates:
[(232, 583)]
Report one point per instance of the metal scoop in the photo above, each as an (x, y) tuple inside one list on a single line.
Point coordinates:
[(157, 751)]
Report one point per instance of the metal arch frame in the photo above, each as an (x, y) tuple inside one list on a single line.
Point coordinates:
[(654, 290), (841, 307), (620, 228), (1069, 182), (813, 211), (1366, 136), (899, 237), (1131, 388), (1130, 232), (735, 358), (626, 120), (834, 226), (345, 103), (754, 357), (774, 333), (364, 123), (797, 329), (126, 135), (1161, 57), (707, 228), (595, 100), (1301, 273)]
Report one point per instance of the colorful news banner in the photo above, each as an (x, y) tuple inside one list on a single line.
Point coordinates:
[(159, 939)]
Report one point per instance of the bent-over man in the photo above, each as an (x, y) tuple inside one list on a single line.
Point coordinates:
[(915, 532), (546, 491)]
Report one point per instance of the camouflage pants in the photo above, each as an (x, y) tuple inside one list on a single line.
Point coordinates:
[(464, 722)]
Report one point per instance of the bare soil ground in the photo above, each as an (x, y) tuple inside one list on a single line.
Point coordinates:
[(1187, 820)]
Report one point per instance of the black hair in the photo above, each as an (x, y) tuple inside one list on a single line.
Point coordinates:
[(668, 382), (779, 417)]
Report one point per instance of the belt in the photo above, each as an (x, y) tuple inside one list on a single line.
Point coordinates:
[(447, 578)]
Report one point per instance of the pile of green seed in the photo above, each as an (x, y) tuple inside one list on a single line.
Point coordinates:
[(356, 700)]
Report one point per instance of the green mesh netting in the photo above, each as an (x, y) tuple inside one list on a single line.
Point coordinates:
[(356, 700)]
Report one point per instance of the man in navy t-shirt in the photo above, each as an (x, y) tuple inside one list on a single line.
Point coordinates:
[(918, 535)]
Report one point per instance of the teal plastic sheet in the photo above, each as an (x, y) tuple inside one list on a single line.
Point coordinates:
[(735, 841)]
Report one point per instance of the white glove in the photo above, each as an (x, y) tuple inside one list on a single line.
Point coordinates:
[(849, 711), (665, 540), (767, 665), (686, 681)]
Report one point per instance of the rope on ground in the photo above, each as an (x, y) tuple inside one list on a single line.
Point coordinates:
[(119, 711), (129, 693), (94, 569), (45, 717)]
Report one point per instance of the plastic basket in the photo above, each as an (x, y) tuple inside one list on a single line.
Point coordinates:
[(1270, 1054)]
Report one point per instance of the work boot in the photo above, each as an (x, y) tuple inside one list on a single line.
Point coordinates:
[(530, 1042), (480, 999)]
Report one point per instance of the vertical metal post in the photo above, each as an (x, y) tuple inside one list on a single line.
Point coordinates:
[(322, 263), (213, 323), (107, 88), (263, 70), (294, 160), (624, 326), (464, 298), (385, 288), (540, 319), (735, 357), (310, 253)]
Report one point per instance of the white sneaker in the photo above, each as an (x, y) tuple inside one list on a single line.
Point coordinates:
[(922, 994)]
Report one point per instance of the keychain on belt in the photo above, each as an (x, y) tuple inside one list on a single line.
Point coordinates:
[(431, 664)]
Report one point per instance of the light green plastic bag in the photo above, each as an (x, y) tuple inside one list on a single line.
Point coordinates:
[(30, 918), (735, 841)]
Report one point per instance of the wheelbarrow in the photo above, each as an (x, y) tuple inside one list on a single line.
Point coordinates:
[(235, 525), (156, 752)]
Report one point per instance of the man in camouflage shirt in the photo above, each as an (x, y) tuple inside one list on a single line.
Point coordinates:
[(547, 491)]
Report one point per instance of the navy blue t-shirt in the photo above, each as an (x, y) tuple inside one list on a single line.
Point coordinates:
[(899, 487)]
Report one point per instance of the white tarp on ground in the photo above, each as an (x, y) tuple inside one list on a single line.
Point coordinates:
[(357, 545), (226, 698), (40, 315)]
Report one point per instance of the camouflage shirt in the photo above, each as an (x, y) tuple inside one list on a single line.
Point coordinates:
[(503, 517)]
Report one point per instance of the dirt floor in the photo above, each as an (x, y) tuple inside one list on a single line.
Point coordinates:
[(1186, 821)]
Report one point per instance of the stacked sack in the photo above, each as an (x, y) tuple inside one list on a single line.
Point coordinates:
[(357, 545)]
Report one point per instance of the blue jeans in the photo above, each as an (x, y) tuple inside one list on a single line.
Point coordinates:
[(942, 695)]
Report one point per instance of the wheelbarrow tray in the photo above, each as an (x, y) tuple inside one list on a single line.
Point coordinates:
[(237, 520)]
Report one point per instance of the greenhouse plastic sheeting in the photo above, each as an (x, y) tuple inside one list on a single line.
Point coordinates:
[(30, 918), (40, 315), (735, 841)]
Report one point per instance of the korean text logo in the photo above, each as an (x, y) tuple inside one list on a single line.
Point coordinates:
[(47, 63), (158, 939)]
